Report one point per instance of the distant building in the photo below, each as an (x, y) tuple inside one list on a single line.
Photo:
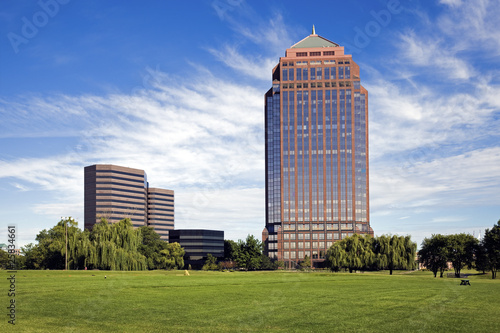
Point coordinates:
[(5, 248), (115, 192), (316, 119), (198, 243)]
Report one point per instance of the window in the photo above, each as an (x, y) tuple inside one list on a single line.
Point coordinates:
[(301, 63), (328, 53), (301, 54), (285, 75), (299, 73), (314, 54), (327, 73), (313, 73)]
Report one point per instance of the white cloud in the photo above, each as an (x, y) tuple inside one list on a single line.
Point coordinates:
[(451, 3), (203, 139), (433, 54), (468, 179), (473, 24), (258, 68), (416, 122)]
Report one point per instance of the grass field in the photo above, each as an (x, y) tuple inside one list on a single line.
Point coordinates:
[(161, 301)]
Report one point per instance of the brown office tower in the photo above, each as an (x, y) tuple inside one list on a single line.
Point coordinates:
[(316, 118), (114, 192), (161, 211)]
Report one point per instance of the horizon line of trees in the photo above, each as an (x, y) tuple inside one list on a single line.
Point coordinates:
[(108, 246), (118, 246), (462, 250)]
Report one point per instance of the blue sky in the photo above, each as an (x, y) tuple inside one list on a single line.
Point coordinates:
[(176, 88)]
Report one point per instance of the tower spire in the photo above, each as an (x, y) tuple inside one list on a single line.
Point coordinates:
[(314, 31)]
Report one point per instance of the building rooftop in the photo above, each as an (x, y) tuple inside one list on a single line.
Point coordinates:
[(314, 40)]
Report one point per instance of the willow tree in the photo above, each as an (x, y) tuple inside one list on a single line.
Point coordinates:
[(359, 252), (395, 252), (352, 253), (114, 246), (336, 256)]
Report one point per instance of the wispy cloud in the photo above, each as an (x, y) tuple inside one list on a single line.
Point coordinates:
[(431, 53), (472, 25), (202, 138)]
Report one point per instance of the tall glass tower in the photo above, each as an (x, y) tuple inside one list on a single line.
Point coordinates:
[(316, 118)]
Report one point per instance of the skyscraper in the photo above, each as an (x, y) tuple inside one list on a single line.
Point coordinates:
[(116, 192), (316, 118)]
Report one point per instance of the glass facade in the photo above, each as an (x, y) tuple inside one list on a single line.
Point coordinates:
[(316, 155)]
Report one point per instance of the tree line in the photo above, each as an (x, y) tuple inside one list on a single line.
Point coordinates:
[(108, 246), (462, 250), (245, 254), (363, 252)]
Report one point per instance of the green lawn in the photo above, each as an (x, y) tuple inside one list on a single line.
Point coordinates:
[(160, 301)]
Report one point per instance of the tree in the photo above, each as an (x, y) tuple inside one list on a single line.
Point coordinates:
[(4, 259), (267, 263), (230, 250), (336, 256), (210, 263), (481, 258), (306, 263), (50, 252), (248, 254), (114, 246), (33, 256), (460, 250), (433, 254), (359, 252), (172, 256), (491, 243), (151, 247), (395, 252)]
